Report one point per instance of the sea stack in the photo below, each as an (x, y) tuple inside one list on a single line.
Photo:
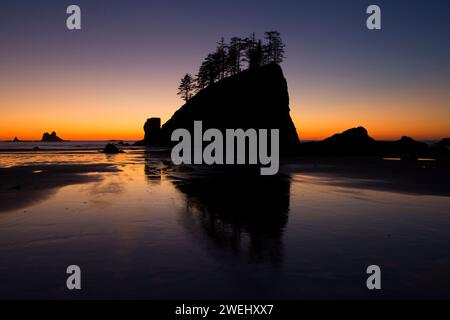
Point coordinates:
[(357, 142), (253, 99), (46, 137), (152, 130), (444, 143), (111, 149)]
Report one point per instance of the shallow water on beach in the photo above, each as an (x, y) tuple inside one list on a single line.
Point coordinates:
[(148, 231)]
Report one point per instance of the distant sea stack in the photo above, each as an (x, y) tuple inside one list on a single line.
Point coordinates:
[(406, 147), (111, 149), (444, 143), (442, 147), (255, 98), (16, 139), (357, 142), (46, 137)]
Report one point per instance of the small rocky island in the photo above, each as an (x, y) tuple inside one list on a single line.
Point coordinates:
[(46, 137), (357, 142), (110, 148), (255, 98), (239, 86)]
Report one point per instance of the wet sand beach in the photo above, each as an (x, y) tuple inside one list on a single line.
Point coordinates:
[(142, 228), (22, 186)]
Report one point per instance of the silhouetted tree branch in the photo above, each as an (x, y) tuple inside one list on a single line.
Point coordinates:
[(227, 60), (274, 49), (186, 87)]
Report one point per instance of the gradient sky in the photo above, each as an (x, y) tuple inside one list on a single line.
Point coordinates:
[(124, 66)]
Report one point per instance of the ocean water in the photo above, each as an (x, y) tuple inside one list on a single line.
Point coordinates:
[(152, 231), (58, 146)]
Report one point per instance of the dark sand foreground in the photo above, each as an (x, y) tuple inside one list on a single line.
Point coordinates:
[(24, 185), (154, 230)]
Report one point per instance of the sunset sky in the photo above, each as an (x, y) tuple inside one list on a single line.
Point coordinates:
[(125, 64)]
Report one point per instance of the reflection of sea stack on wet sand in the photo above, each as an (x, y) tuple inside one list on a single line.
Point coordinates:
[(246, 217)]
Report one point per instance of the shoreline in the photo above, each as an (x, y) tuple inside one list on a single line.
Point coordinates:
[(23, 186)]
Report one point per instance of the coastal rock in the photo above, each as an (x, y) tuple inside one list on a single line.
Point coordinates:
[(442, 148), (46, 137), (444, 142), (409, 145), (255, 98), (16, 139), (111, 149), (152, 129), (407, 148), (355, 141)]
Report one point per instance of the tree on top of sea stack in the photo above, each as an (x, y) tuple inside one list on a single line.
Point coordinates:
[(228, 58), (186, 87), (274, 49)]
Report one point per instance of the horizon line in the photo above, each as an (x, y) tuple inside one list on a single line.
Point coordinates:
[(2, 140)]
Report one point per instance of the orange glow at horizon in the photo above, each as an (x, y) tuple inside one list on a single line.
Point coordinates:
[(93, 108), (120, 126), (417, 112)]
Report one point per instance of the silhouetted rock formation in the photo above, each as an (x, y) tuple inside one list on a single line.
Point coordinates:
[(46, 137), (356, 141), (442, 147), (16, 139), (406, 147), (111, 149), (152, 129), (355, 136), (256, 98), (444, 142)]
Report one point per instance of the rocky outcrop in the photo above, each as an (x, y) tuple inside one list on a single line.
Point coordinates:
[(111, 149), (46, 137), (406, 147), (444, 142), (356, 142), (255, 99), (16, 139), (442, 147), (152, 129)]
